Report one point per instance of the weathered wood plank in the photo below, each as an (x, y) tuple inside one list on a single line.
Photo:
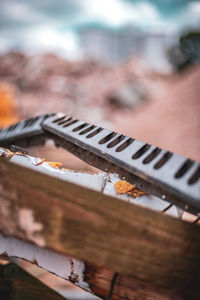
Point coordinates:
[(63, 266), (116, 286), (157, 250), (17, 284), (100, 281)]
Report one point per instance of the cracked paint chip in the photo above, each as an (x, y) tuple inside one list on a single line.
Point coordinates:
[(29, 225), (124, 187)]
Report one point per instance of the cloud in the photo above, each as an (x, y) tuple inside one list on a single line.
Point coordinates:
[(18, 14), (34, 26), (50, 24), (117, 12), (194, 8), (47, 38)]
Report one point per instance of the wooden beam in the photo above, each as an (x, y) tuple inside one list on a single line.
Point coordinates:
[(100, 281), (156, 250), (17, 284)]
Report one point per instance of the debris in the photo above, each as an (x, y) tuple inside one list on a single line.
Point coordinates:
[(128, 95)]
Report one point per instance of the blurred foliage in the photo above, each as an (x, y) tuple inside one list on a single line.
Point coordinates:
[(187, 51)]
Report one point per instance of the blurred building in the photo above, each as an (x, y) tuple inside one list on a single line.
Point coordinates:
[(110, 46)]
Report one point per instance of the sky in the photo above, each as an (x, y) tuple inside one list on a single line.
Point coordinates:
[(49, 25)]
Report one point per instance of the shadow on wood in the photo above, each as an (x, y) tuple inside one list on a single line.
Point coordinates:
[(17, 284)]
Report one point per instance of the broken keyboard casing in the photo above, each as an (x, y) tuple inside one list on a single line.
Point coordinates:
[(166, 175)]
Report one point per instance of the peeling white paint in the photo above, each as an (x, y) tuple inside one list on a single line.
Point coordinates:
[(92, 181), (101, 182), (78, 272), (148, 201), (31, 228), (61, 265)]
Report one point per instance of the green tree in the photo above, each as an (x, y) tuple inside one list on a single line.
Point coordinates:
[(187, 51)]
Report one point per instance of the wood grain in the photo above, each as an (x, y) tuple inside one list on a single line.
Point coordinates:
[(156, 250)]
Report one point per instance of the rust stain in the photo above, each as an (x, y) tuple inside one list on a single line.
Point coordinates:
[(42, 160), (53, 164)]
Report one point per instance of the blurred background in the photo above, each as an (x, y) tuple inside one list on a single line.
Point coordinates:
[(131, 66), (127, 65)]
